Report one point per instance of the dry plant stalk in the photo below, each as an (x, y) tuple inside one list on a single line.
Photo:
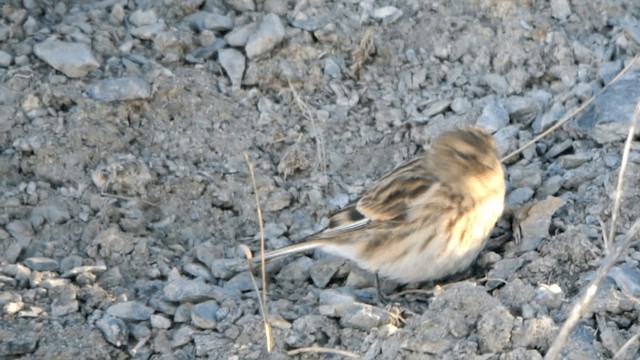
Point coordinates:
[(319, 140), (581, 305), (363, 52), (317, 349), (262, 300)]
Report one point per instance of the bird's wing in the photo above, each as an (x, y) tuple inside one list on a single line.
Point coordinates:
[(391, 197), (388, 200)]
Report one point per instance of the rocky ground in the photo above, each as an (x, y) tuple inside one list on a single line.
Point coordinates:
[(125, 192)]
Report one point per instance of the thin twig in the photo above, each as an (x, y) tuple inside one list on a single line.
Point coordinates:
[(570, 116), (318, 349), (626, 346), (581, 305), (263, 300)]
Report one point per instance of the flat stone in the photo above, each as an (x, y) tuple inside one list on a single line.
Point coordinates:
[(627, 278), (241, 5), (188, 290), (323, 270), (535, 225), (560, 9), (388, 14), (160, 322), (5, 59), (13, 344), (113, 329), (143, 17), (130, 310), (523, 110), (519, 196), (93, 269), (203, 315), (364, 317), (239, 36), (127, 88), (608, 118), (147, 32), (503, 269), (436, 108), (497, 83), (233, 63), (41, 264), (493, 118), (296, 271), (203, 20), (268, 35), (74, 60)]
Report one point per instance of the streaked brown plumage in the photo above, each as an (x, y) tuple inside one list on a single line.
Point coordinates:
[(426, 219)]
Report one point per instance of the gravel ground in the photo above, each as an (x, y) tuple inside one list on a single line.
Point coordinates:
[(124, 192)]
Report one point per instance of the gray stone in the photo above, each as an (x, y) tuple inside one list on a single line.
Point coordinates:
[(460, 105), (519, 196), (364, 317), (239, 36), (388, 14), (608, 70), (203, 20), (493, 118), (549, 118), (147, 32), (188, 290), (203, 315), (494, 330), (523, 110), (559, 148), (549, 186), (528, 176), (497, 83), (127, 88), (560, 9), (241, 282), (18, 271), (52, 213), (21, 231), (503, 269), (208, 344), (12, 253), (65, 302), (160, 322), (117, 14), (627, 278), (241, 5), (143, 17), (9, 296), (535, 225), (5, 59), (323, 270), (130, 310), (608, 118), (436, 108), (507, 138), (74, 60), (573, 178), (197, 270), (233, 63), (182, 336), (41, 264), (550, 296), (296, 271), (14, 344), (70, 262), (113, 329), (183, 313), (93, 269), (268, 35), (226, 268)]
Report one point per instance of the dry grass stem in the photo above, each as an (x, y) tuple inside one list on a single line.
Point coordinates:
[(323, 350), (319, 140), (581, 305), (263, 299), (570, 116), (363, 52)]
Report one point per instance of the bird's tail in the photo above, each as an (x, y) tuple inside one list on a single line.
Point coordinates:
[(288, 250)]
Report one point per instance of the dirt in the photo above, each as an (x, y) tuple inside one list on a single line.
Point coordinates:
[(155, 191)]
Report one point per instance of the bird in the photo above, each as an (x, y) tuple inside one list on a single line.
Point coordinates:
[(427, 219)]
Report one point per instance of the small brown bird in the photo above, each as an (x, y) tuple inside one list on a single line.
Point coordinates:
[(426, 219)]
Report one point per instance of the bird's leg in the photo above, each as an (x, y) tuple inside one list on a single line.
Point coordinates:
[(381, 296)]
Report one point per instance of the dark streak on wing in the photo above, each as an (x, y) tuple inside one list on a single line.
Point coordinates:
[(391, 197)]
